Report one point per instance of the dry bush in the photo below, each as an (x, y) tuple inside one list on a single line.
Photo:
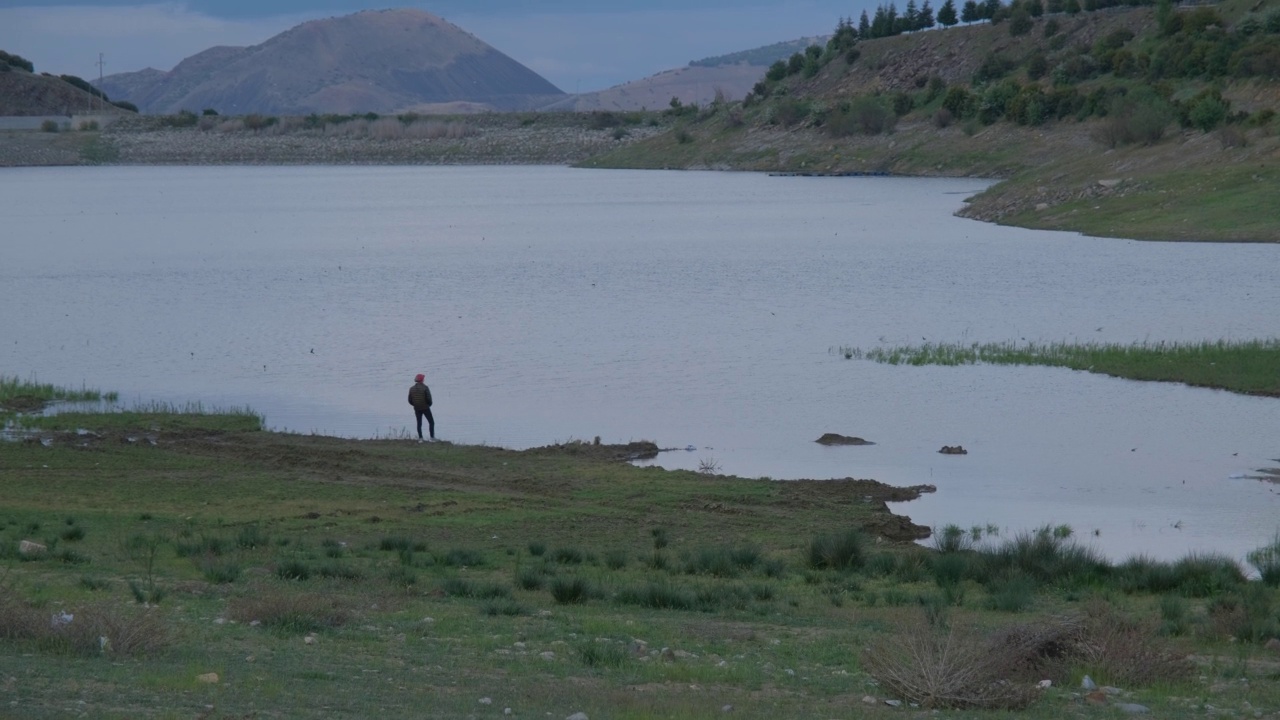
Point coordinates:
[(959, 669), (1124, 650), (386, 129), (207, 123), (949, 668), (288, 611), (95, 629), (230, 126), (436, 130), (351, 128)]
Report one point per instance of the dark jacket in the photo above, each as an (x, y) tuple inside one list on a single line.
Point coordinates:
[(420, 396)]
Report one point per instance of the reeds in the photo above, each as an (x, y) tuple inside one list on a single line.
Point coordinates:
[(1251, 366)]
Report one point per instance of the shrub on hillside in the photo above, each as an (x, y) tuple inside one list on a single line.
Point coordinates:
[(49, 126), (1140, 117)]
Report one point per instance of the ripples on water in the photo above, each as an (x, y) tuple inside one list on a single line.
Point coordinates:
[(547, 304)]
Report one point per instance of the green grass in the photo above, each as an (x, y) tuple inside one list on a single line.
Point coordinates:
[(320, 577), (1249, 366), (18, 395)]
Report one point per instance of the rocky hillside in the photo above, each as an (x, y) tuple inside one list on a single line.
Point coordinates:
[(1159, 122), (375, 61)]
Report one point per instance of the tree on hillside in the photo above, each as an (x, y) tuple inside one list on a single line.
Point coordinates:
[(864, 26), (9, 59), (910, 17), (969, 13), (926, 16), (947, 14)]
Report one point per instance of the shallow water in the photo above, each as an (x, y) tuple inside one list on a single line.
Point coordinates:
[(546, 304)]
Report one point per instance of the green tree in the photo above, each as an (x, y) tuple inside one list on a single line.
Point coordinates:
[(969, 12), (1020, 22), (947, 14)]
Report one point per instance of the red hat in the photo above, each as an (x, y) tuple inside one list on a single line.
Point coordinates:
[(419, 377)]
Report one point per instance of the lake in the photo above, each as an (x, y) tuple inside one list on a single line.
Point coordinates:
[(698, 310)]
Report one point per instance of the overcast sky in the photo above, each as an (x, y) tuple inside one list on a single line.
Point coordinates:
[(578, 45)]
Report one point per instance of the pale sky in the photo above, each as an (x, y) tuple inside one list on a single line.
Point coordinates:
[(579, 46)]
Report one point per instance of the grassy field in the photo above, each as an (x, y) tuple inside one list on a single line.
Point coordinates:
[(1251, 367), (320, 577)]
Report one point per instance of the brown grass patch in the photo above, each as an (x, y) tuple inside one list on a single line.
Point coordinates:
[(289, 611)]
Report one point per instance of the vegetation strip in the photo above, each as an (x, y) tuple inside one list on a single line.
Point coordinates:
[(261, 572), (1251, 367)]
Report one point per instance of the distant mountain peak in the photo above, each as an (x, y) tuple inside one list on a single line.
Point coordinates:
[(371, 61)]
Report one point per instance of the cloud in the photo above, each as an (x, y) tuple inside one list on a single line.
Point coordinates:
[(67, 39)]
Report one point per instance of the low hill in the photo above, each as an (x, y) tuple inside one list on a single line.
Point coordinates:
[(375, 61), (24, 93), (1143, 122), (693, 85), (724, 77)]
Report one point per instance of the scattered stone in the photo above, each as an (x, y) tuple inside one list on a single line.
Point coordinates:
[(219, 621), (1088, 684), (1044, 684), (1273, 645), (506, 711), (1108, 689), (518, 645), (310, 639), (486, 701), (837, 439), (683, 655), (578, 716), (893, 703), (727, 708), (27, 547), (1134, 708), (869, 700), (211, 678), (953, 450), (547, 655), (1109, 183), (1041, 207), (668, 654)]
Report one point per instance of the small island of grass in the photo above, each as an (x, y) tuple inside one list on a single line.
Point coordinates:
[(1251, 367)]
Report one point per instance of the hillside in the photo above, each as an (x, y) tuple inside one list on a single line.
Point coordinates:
[(696, 85), (24, 93), (1129, 122), (374, 61)]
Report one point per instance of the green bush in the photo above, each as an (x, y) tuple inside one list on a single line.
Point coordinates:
[(658, 596), (1139, 117), (1207, 112), (49, 126), (570, 591), (1266, 560), (837, 551)]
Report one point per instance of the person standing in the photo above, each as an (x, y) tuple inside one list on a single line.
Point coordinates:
[(420, 399)]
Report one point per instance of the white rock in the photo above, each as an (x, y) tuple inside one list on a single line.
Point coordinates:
[(548, 655), (578, 716), (1134, 708), (868, 700), (1088, 684), (506, 711), (26, 547), (727, 708), (1044, 684), (210, 678), (893, 703), (486, 701), (310, 639)]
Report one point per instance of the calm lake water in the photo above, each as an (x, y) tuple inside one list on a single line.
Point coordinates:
[(693, 309)]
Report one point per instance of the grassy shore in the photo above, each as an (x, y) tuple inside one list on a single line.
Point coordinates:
[(1251, 367), (320, 577)]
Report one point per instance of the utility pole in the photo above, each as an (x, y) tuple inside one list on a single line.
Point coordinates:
[(101, 64)]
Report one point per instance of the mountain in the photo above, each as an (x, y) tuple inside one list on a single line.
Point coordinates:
[(727, 77), (374, 61)]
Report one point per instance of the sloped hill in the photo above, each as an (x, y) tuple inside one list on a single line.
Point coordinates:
[(26, 94), (693, 85), (1147, 122), (374, 61)]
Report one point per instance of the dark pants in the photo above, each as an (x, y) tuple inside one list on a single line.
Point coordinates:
[(431, 422)]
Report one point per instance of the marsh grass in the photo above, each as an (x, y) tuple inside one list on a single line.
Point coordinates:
[(18, 395), (1250, 366), (1266, 560)]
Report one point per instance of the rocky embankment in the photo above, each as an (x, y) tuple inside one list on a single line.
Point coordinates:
[(554, 139)]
